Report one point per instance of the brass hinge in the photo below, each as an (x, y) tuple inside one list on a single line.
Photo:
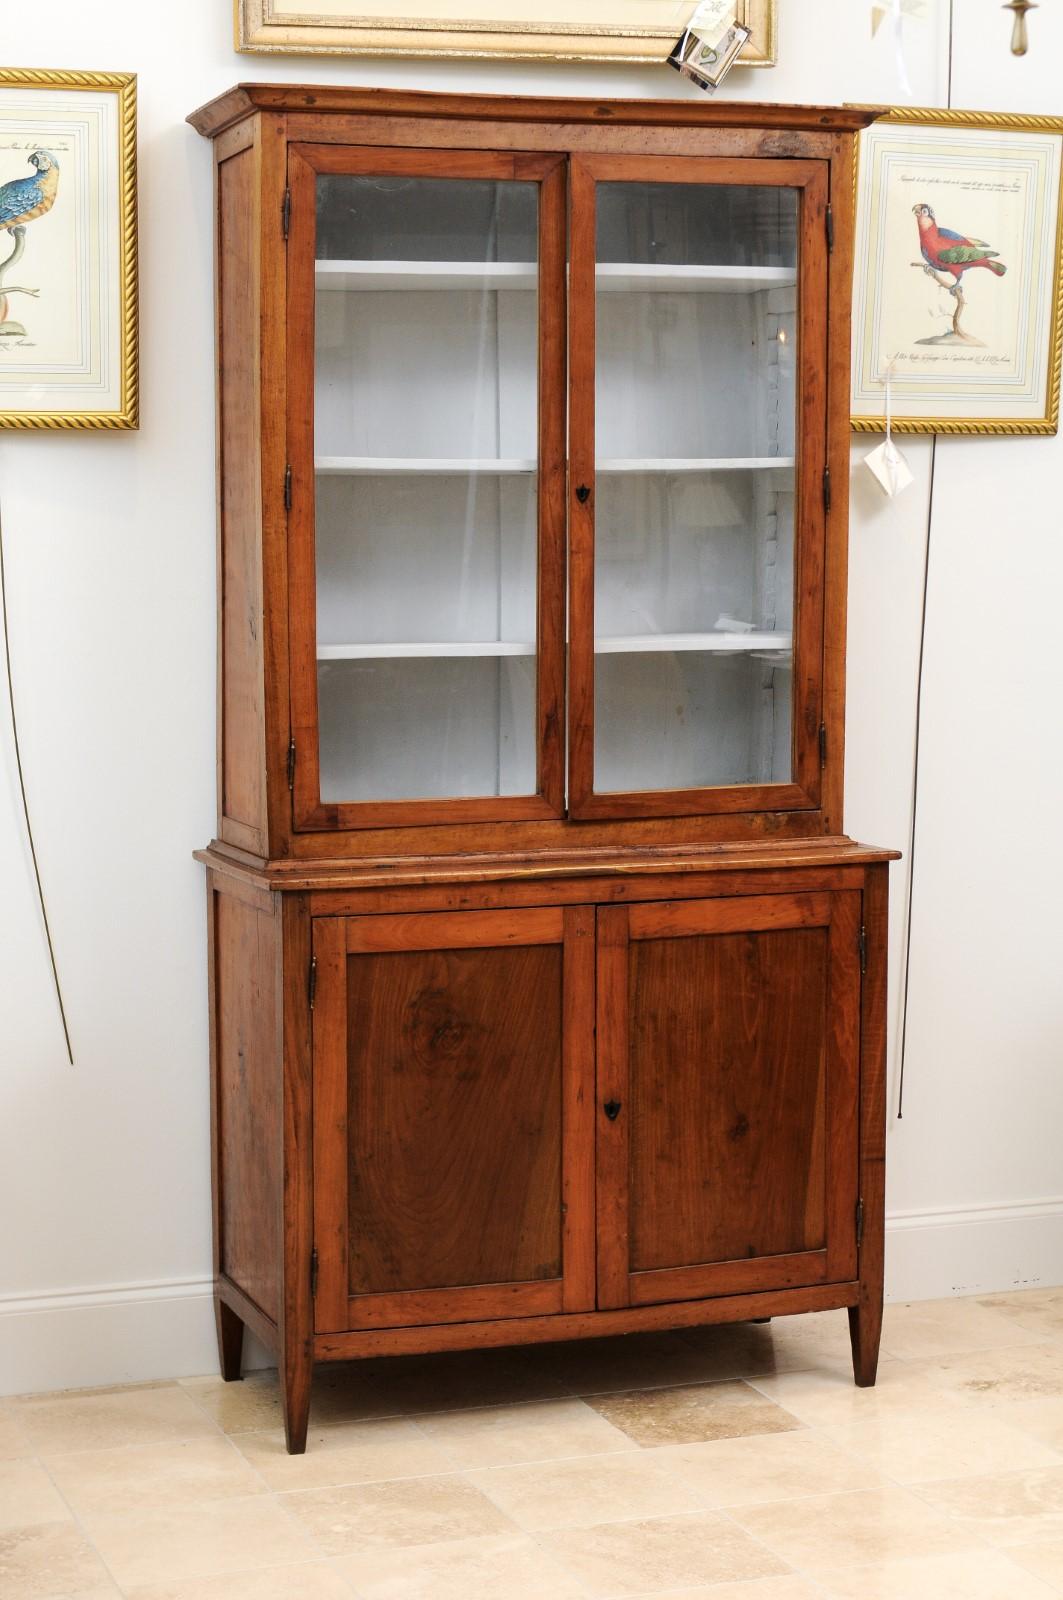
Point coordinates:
[(823, 744), (291, 762), (311, 985), (863, 948), (826, 489), (313, 1273), (287, 488), (859, 1223), (830, 228), (286, 212)]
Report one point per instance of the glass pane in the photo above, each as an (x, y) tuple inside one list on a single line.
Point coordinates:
[(426, 399), (694, 585)]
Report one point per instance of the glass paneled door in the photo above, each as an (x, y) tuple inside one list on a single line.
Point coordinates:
[(426, 363), (698, 373)]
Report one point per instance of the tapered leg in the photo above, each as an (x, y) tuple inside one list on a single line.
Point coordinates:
[(230, 1340), (297, 1372), (865, 1331)]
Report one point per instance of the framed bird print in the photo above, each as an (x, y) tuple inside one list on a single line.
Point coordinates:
[(522, 30), (68, 250), (958, 299)]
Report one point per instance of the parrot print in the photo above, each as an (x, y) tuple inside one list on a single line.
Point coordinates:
[(24, 199), (952, 254)]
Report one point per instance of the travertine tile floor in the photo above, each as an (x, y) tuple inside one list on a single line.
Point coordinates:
[(731, 1464)]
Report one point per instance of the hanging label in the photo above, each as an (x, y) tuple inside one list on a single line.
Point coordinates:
[(886, 464), (917, 10), (711, 20), (889, 468)]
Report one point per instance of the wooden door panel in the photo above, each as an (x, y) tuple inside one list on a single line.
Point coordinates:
[(731, 1045), (454, 1107), (728, 1098), (455, 1084)]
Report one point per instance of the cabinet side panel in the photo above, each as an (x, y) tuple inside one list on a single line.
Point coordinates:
[(248, 1099), (241, 729)]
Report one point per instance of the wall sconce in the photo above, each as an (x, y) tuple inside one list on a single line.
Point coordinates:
[(1020, 42)]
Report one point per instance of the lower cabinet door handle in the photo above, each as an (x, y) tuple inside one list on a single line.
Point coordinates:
[(612, 1109)]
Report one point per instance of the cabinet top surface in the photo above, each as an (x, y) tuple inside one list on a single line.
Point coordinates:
[(244, 99), (733, 856)]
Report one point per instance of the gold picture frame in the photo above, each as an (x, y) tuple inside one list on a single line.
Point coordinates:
[(995, 174), (632, 31), (86, 358)]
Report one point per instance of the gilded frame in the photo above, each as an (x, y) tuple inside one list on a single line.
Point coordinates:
[(123, 85), (865, 420), (264, 26)]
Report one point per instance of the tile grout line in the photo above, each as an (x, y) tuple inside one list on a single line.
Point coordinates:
[(76, 1520)]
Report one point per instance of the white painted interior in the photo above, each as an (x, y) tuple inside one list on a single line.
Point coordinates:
[(104, 1182), (426, 575)]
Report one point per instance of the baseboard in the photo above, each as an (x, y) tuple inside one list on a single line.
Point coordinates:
[(119, 1333), (133, 1333), (974, 1250)]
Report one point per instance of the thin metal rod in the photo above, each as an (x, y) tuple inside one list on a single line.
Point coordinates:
[(25, 802), (910, 880), (910, 886)]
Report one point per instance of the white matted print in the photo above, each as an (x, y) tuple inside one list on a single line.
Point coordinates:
[(957, 288), (68, 313)]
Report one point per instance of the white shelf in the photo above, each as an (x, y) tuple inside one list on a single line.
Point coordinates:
[(390, 275), (695, 464), (409, 652), (445, 466), (631, 644), (703, 643), (635, 278), (440, 466), (622, 277)]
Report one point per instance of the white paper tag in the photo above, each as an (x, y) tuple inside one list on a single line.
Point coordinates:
[(889, 468), (917, 10), (711, 20)]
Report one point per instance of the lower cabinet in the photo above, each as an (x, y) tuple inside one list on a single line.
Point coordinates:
[(529, 1112), (439, 1128)]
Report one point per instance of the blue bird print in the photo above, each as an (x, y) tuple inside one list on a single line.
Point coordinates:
[(22, 201)]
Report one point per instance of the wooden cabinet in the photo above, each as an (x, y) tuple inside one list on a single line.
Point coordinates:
[(547, 989)]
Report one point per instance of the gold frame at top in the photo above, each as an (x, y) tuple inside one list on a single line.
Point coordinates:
[(124, 86), (263, 26), (1005, 122)]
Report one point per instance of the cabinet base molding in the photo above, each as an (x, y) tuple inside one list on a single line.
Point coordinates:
[(582, 1325)]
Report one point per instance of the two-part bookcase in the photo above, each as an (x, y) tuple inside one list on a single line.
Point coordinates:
[(548, 996)]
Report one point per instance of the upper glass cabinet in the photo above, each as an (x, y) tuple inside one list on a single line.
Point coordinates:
[(443, 455)]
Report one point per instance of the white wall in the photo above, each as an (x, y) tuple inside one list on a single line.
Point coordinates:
[(104, 1181)]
